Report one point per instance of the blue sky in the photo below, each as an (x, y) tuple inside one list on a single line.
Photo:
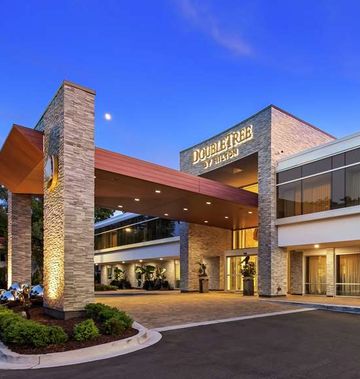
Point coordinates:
[(174, 72)]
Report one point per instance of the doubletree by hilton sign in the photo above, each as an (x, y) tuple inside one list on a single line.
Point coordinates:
[(224, 149)]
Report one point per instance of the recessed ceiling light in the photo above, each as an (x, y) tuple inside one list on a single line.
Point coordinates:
[(316, 246), (250, 212), (237, 170), (128, 230), (120, 206), (226, 217), (107, 116), (137, 199), (123, 262), (206, 221), (161, 259), (166, 214), (208, 202), (185, 209), (157, 191), (140, 260)]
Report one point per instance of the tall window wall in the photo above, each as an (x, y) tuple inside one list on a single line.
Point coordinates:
[(140, 229), (245, 238), (328, 183)]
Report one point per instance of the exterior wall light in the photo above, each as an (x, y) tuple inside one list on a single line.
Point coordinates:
[(208, 203), (51, 170), (166, 214), (157, 191), (206, 221)]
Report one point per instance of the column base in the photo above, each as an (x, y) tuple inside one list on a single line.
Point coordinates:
[(272, 296), (63, 315)]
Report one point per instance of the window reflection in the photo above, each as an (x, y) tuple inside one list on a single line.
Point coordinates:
[(146, 230)]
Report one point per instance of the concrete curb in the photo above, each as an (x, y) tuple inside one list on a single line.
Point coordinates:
[(13, 361), (232, 319), (322, 306)]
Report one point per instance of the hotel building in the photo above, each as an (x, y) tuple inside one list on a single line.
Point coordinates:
[(273, 187)]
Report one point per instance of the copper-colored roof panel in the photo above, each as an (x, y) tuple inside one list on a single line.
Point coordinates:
[(120, 179)]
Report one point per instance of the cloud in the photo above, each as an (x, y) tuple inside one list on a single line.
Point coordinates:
[(205, 20)]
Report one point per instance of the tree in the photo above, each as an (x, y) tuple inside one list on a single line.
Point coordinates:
[(3, 233), (37, 235), (103, 214)]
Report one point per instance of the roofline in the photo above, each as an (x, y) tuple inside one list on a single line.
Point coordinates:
[(68, 83), (316, 148), (254, 115)]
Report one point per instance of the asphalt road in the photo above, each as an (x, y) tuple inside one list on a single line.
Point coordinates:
[(316, 344)]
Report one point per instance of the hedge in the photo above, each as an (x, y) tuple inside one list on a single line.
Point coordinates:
[(17, 330)]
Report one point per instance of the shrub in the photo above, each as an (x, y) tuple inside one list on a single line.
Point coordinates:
[(57, 334), (93, 309), (105, 287), (86, 330), (115, 326), (104, 313), (17, 330)]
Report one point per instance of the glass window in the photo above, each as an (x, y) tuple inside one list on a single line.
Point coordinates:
[(348, 275), (289, 199), (338, 160), (109, 273), (338, 189), (147, 230), (352, 156), (316, 167), (245, 238), (316, 275), (316, 193), (353, 185), (288, 175)]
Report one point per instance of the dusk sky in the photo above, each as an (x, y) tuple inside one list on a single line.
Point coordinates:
[(175, 72)]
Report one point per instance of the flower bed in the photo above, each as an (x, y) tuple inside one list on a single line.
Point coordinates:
[(43, 334)]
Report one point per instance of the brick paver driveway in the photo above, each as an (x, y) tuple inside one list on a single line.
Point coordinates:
[(160, 309)]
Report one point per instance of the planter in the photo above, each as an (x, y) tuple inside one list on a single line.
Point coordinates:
[(203, 285), (248, 285)]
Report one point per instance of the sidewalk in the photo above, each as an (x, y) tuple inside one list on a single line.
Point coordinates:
[(338, 304)]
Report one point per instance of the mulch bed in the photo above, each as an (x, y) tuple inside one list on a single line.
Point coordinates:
[(36, 314)]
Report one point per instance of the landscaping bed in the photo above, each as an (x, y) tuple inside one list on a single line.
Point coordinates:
[(42, 334)]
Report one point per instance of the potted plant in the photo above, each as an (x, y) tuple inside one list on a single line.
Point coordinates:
[(160, 279), (248, 272)]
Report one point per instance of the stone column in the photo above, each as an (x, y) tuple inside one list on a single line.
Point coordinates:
[(19, 238), (330, 272), (68, 125), (199, 242), (104, 278), (296, 272)]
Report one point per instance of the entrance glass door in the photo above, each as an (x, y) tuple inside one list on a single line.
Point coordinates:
[(234, 280), (315, 282)]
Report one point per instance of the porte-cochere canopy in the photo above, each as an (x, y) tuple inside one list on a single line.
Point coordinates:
[(130, 184)]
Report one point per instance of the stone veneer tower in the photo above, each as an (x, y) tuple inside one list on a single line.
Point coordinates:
[(19, 243), (276, 134), (68, 126)]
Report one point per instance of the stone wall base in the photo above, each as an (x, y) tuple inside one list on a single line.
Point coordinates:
[(63, 315)]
